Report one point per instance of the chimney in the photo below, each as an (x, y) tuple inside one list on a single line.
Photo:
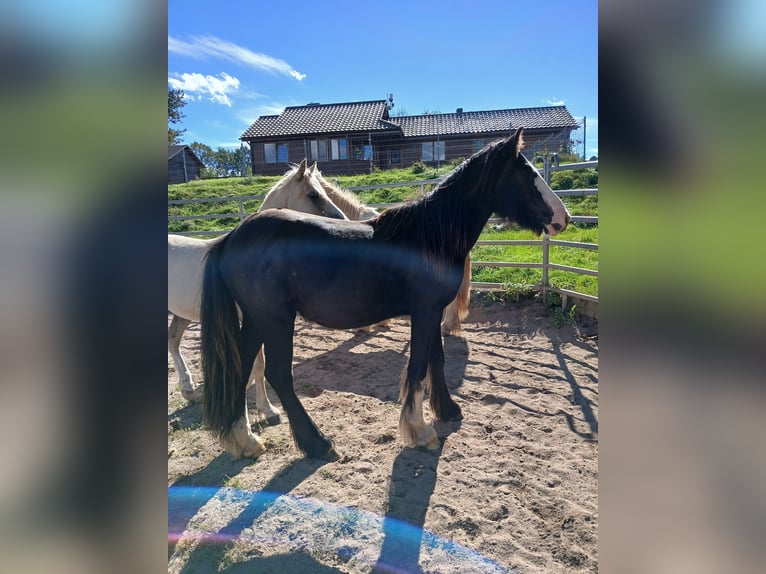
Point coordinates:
[(459, 111)]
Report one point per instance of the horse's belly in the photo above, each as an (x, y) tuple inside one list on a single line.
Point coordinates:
[(352, 303)]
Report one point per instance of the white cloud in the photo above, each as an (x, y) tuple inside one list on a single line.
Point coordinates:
[(554, 102), (249, 115), (201, 47), (197, 86)]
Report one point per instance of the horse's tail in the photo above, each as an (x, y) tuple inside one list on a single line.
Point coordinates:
[(224, 395)]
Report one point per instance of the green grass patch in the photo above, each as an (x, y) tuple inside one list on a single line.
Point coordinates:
[(260, 185)]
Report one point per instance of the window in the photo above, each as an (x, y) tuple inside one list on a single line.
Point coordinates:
[(338, 148), (269, 153), (282, 156), (367, 152), (433, 151), (396, 156), (275, 153), (319, 150)]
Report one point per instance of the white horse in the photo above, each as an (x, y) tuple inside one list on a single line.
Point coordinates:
[(300, 190)]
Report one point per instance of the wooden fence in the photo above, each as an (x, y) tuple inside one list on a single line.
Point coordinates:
[(549, 166)]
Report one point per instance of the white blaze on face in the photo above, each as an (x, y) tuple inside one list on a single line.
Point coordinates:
[(561, 216)]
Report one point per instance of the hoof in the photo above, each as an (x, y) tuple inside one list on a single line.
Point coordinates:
[(254, 450), (273, 420), (193, 396), (427, 438), (451, 412), (331, 455)]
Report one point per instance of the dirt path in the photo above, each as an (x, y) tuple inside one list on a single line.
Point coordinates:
[(513, 488)]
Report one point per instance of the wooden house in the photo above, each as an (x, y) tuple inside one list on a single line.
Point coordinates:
[(355, 137)]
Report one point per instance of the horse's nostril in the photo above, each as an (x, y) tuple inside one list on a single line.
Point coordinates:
[(556, 226)]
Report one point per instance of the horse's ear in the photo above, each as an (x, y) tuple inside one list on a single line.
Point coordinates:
[(517, 139), (314, 168), (301, 169)]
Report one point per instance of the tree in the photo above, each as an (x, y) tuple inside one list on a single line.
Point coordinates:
[(176, 102), (223, 162)]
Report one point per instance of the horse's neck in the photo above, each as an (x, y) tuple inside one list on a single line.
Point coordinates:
[(275, 198), (469, 215), (347, 204)]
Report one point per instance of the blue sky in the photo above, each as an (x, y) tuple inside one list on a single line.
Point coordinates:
[(238, 60)]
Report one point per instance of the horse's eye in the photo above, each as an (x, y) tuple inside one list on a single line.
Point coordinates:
[(313, 194)]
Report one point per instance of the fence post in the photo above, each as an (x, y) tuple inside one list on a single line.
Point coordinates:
[(241, 210), (546, 245)]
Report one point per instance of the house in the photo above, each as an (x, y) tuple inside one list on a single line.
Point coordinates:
[(355, 137), (183, 164)]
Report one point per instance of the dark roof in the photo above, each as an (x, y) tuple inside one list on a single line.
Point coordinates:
[(174, 150), (486, 121), (323, 118), (373, 116)]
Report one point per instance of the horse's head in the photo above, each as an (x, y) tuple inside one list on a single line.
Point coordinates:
[(520, 193), (301, 190)]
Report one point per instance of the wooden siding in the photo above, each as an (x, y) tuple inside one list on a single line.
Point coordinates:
[(176, 172), (390, 150)]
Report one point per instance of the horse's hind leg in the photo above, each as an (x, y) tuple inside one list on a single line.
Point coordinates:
[(278, 348), (457, 310), (412, 426), (442, 405), (241, 441), (176, 330), (257, 381)]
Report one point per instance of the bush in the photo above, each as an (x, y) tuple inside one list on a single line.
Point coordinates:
[(418, 167)]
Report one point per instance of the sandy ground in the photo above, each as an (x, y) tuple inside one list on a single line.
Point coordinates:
[(513, 488)]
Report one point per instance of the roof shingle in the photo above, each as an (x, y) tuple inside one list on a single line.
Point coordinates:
[(485, 121), (373, 116), (322, 118)]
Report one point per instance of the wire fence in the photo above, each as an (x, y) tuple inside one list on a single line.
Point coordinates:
[(364, 153), (233, 209)]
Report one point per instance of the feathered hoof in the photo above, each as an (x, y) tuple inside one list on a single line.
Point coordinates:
[(425, 437), (254, 450)]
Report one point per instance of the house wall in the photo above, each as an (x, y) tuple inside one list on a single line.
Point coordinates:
[(300, 148), (392, 150)]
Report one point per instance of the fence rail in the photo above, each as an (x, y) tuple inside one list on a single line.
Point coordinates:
[(544, 243)]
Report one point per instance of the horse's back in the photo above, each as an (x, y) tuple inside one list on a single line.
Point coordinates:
[(333, 272), (186, 257)]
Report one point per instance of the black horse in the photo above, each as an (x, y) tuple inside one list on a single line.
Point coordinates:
[(348, 274)]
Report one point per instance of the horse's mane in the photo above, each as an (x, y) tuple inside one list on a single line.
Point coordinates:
[(436, 222), (346, 200)]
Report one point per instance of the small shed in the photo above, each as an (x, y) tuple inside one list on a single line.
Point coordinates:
[(183, 164)]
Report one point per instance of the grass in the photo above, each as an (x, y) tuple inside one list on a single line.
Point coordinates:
[(259, 185)]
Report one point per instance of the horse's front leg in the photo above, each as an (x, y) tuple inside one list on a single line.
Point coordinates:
[(176, 330), (258, 383), (412, 426)]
